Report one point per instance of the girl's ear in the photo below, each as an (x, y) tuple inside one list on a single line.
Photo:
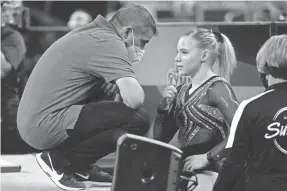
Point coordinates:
[(205, 55)]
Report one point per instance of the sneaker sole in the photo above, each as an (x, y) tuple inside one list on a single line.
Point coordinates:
[(91, 184), (100, 184), (51, 174)]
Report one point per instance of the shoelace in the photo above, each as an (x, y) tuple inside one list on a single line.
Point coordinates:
[(97, 169), (71, 178), (100, 173)]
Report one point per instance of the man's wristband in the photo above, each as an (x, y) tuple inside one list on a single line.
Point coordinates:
[(209, 157), (215, 158)]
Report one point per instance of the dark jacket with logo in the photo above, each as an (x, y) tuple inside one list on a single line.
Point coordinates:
[(258, 143)]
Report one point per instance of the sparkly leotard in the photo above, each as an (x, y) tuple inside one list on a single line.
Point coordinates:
[(191, 115), (200, 125)]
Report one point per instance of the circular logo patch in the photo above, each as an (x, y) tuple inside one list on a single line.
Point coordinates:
[(278, 130)]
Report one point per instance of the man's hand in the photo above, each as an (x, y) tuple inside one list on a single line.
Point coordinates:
[(110, 89), (118, 98), (196, 162)]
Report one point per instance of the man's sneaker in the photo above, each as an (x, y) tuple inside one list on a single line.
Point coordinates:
[(63, 179), (96, 175)]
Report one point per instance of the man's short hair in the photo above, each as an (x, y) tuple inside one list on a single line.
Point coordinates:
[(136, 16)]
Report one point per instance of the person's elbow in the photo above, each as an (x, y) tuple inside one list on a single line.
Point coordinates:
[(135, 101), (131, 92)]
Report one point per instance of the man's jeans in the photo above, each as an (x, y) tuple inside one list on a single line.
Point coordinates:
[(97, 130)]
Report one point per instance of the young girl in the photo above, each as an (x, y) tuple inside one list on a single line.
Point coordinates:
[(201, 111)]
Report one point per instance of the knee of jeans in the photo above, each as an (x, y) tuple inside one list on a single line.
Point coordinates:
[(143, 119)]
